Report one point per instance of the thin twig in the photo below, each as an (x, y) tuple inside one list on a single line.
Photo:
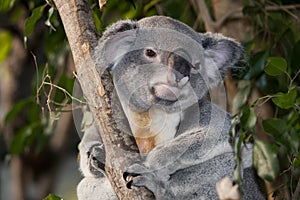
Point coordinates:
[(293, 79), (37, 76), (267, 97), (65, 92)]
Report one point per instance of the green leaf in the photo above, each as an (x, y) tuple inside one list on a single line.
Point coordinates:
[(275, 127), (276, 66), (19, 140), (244, 88), (30, 22), (98, 22), (6, 5), (297, 161), (52, 197), (285, 101), (248, 118), (16, 109), (5, 44), (282, 134), (293, 141), (257, 64), (265, 160)]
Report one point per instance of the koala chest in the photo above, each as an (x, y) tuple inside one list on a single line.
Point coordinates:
[(153, 127)]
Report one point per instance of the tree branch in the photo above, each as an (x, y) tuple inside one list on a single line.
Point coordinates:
[(121, 150), (212, 26), (200, 7)]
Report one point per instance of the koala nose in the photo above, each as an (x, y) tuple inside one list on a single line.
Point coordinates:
[(180, 68)]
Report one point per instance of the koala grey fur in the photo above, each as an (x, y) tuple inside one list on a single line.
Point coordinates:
[(163, 67)]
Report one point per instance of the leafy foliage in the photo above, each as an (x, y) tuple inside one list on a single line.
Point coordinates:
[(265, 160), (30, 22), (274, 70), (52, 197), (5, 43)]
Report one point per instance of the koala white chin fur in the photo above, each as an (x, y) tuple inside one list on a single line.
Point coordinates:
[(162, 71)]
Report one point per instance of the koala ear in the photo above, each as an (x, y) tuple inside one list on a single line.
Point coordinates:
[(114, 43), (220, 54), (118, 27), (118, 45)]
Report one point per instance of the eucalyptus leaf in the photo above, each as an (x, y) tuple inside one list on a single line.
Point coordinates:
[(293, 141), (30, 22), (265, 160), (275, 127), (275, 66), (16, 109), (6, 5), (297, 161), (19, 140), (52, 197), (5, 44), (282, 134), (287, 100), (257, 64), (248, 118), (241, 97)]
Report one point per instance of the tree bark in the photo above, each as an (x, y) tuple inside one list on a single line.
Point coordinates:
[(121, 150)]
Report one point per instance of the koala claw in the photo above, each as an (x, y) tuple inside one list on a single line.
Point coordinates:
[(96, 160), (135, 174), (139, 175), (128, 176), (145, 180), (134, 170)]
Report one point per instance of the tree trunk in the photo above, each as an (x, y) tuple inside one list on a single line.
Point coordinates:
[(121, 150)]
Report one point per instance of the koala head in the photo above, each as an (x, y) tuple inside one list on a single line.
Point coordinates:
[(159, 61)]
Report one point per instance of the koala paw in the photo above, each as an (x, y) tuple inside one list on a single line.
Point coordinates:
[(139, 175), (96, 160)]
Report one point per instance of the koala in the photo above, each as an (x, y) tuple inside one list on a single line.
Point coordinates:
[(162, 71)]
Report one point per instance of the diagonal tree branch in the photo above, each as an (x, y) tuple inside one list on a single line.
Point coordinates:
[(201, 8), (120, 148), (213, 26)]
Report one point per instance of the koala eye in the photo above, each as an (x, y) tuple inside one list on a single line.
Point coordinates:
[(150, 53)]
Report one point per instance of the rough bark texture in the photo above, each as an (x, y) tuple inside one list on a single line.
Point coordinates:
[(120, 148)]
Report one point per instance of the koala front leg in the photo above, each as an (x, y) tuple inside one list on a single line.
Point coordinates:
[(95, 184), (160, 163), (145, 177), (92, 153), (188, 149)]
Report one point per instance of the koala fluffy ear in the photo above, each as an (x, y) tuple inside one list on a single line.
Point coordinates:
[(114, 43), (118, 45), (220, 53)]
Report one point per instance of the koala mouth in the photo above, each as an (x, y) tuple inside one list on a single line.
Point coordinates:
[(165, 92)]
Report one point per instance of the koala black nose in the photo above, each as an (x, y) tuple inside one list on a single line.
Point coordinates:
[(181, 67)]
